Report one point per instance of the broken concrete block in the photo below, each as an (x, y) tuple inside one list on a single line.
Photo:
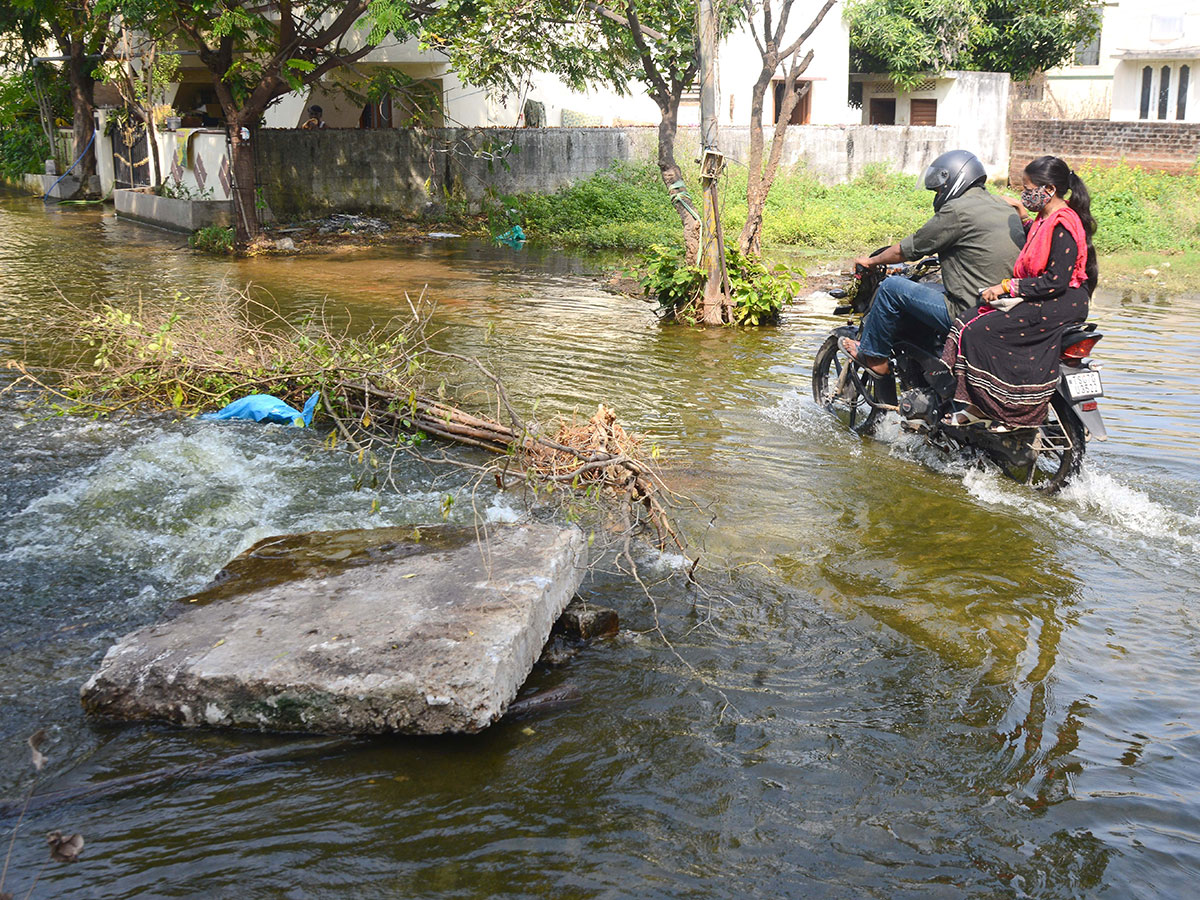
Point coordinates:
[(383, 630), (582, 621)]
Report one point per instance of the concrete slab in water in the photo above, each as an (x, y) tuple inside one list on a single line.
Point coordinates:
[(353, 632)]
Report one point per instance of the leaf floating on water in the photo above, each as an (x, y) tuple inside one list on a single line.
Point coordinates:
[(218, 643), (528, 731), (35, 742), (64, 849), (410, 575)]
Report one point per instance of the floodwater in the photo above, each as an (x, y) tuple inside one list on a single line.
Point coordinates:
[(902, 677)]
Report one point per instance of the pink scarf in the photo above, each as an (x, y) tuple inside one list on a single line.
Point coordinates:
[(1036, 252)]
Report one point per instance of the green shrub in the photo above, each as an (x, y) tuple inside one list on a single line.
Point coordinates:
[(759, 293), (23, 148), (212, 239), (595, 211), (23, 144), (1139, 210)]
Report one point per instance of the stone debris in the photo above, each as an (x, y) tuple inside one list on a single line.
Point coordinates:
[(386, 630), (582, 621)]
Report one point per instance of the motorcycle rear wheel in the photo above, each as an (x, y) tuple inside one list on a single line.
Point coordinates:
[(835, 391), (1061, 444)]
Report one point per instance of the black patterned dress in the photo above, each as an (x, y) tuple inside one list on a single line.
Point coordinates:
[(1006, 363)]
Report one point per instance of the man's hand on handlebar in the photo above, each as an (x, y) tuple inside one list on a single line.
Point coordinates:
[(886, 257)]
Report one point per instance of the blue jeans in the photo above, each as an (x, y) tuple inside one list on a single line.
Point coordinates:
[(898, 296)]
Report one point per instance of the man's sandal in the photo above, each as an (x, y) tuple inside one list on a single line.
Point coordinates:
[(876, 365)]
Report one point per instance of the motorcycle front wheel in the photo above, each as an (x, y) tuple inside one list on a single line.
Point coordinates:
[(835, 385)]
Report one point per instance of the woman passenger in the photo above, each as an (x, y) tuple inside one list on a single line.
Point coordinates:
[(1005, 352)]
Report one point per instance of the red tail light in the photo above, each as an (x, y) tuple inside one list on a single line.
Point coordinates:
[(1081, 349)]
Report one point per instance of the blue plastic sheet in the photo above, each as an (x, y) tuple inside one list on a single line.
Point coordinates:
[(265, 408)]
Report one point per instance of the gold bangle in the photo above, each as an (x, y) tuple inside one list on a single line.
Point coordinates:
[(1005, 285)]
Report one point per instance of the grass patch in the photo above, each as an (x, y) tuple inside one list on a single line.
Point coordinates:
[(625, 207), (1139, 210)]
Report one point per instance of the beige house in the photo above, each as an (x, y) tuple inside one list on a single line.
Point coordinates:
[(973, 105), (1142, 66)]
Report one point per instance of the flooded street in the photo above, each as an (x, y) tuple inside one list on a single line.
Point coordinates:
[(902, 676)]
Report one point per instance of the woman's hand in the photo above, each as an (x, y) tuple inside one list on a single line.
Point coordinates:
[(1016, 204), (995, 292)]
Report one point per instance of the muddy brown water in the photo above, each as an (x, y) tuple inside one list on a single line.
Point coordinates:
[(904, 677)]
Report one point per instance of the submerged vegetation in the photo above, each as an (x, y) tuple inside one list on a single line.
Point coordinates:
[(212, 239), (758, 293), (383, 391)]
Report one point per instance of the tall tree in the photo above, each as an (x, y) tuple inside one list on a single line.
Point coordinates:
[(79, 30), (615, 42), (775, 51), (908, 39), (257, 51), (1022, 37)]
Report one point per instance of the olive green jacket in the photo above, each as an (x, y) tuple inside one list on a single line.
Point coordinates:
[(977, 238)]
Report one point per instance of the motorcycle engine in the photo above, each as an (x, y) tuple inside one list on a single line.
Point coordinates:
[(919, 404)]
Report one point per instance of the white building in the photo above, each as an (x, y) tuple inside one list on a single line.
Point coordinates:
[(1143, 65), (825, 103)]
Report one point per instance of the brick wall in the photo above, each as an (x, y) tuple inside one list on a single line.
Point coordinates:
[(1172, 147)]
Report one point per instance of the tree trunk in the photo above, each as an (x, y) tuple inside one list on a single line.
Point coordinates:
[(672, 176), (750, 241), (245, 213), (83, 93)]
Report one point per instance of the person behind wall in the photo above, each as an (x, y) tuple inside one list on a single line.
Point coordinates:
[(975, 234), (315, 120), (1004, 353)]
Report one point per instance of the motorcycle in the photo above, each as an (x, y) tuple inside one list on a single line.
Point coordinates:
[(920, 389)]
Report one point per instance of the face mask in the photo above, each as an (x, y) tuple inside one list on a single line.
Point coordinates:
[(1035, 199)]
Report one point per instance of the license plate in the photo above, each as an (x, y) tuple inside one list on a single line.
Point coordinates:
[(1084, 385)]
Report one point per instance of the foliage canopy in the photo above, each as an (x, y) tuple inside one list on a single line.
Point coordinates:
[(908, 39)]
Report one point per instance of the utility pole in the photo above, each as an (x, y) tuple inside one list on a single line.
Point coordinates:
[(717, 305)]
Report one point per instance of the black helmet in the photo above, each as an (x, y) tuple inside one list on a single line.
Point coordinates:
[(951, 174)]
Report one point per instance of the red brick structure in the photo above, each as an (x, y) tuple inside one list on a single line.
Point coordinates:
[(1172, 147)]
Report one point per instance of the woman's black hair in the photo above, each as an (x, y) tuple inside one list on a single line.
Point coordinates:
[(1050, 170)]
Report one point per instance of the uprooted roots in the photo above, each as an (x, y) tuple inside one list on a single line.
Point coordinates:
[(204, 354), (597, 455)]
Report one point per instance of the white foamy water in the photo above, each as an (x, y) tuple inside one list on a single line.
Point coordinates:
[(1098, 504), (179, 503)]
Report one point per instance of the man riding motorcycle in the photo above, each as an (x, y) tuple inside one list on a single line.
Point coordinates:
[(977, 237)]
